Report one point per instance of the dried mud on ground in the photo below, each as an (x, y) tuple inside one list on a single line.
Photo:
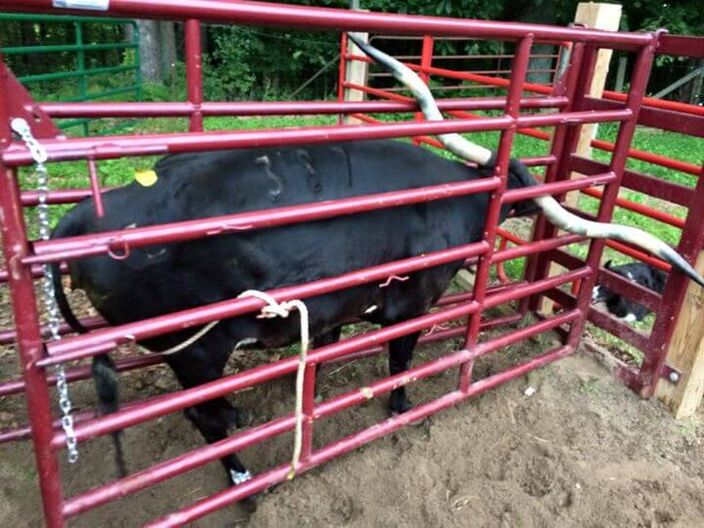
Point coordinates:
[(582, 451)]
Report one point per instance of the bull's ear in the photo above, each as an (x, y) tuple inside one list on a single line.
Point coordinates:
[(608, 264)]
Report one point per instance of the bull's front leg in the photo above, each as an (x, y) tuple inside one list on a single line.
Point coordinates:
[(200, 363), (400, 357)]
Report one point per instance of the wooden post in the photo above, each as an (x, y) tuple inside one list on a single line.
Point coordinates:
[(686, 355), (355, 73), (596, 16)]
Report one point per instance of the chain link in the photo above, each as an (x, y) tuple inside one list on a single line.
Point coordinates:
[(39, 155)]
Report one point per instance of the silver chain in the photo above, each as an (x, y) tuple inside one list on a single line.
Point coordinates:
[(39, 155)]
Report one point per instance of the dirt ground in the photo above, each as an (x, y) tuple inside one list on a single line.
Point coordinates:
[(581, 451)]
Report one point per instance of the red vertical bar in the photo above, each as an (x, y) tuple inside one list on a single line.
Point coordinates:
[(29, 341), (426, 60), (673, 296), (342, 74), (639, 82), (95, 188), (308, 407), (194, 73), (503, 156)]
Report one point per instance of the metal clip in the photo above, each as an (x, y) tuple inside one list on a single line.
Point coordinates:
[(392, 278)]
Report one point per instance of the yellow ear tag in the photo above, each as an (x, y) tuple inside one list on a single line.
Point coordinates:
[(146, 178)]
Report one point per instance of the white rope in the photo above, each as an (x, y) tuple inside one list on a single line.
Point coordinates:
[(283, 309), (274, 309), (188, 342)]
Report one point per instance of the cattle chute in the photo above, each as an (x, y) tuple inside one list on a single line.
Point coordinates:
[(22, 257)]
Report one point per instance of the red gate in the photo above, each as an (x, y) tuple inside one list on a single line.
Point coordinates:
[(669, 116), (23, 256)]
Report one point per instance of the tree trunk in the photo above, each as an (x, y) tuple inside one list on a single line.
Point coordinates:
[(128, 33), (150, 51), (696, 85), (167, 34), (541, 13)]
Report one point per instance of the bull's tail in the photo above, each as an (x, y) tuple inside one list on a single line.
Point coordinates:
[(103, 368), (105, 379)]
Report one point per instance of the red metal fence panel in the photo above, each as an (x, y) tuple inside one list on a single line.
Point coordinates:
[(562, 108)]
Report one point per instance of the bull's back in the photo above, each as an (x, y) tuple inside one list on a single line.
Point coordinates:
[(166, 278)]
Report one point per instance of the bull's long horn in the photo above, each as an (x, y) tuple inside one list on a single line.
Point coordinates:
[(453, 142), (553, 211)]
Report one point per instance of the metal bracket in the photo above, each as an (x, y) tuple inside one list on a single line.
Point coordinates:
[(670, 374), (20, 104)]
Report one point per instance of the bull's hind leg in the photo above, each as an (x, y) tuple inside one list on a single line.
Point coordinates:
[(202, 362), (400, 356)]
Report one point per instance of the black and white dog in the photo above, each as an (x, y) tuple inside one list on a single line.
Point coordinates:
[(638, 272)]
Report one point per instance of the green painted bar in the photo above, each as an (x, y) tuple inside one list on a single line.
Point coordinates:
[(56, 48), (28, 17), (75, 73), (80, 49), (105, 93)]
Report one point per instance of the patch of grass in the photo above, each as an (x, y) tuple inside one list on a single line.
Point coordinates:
[(688, 430), (589, 386), (625, 351)]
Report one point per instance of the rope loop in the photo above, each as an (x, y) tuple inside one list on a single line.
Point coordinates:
[(283, 309)]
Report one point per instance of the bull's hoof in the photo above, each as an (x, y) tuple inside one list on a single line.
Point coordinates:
[(240, 477), (243, 418), (399, 405), (397, 408)]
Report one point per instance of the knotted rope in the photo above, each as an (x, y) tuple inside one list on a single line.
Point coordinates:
[(271, 310), (283, 309)]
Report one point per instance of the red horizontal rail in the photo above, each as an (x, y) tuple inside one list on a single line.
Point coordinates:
[(293, 16), (174, 402), (8, 336), (59, 196), (107, 147), (539, 134), (101, 243), (670, 192), (465, 76), (662, 104), (526, 248), (631, 290), (36, 274), (639, 255), (81, 373), (681, 45), (641, 155), (185, 109), (636, 207), (526, 193), (88, 345)]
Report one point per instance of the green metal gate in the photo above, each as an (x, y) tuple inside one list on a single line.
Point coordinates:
[(80, 50)]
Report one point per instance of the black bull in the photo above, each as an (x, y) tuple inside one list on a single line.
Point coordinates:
[(161, 279)]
